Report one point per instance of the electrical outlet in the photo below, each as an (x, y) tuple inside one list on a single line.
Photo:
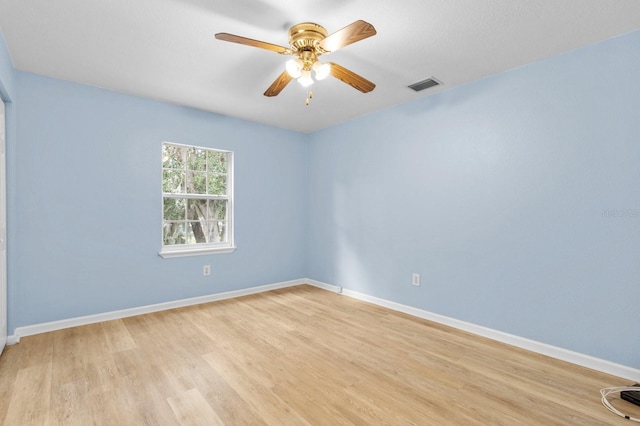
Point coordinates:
[(415, 280), (206, 270)]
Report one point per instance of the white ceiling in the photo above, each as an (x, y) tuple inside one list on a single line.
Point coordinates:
[(165, 49)]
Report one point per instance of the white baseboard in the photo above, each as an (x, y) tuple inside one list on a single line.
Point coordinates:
[(521, 342), (324, 286), (30, 330)]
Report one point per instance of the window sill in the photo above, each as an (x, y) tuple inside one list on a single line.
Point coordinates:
[(194, 251)]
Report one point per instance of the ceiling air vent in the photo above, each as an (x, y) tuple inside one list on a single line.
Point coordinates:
[(425, 84)]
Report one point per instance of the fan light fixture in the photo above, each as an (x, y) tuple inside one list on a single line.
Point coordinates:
[(300, 69)]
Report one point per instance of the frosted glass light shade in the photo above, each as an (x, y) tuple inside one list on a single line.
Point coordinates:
[(294, 67), (322, 70), (305, 79)]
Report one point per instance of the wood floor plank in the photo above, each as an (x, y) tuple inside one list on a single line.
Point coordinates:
[(81, 355), (70, 404), (191, 409), (30, 401), (117, 336), (254, 389), (9, 367), (294, 356)]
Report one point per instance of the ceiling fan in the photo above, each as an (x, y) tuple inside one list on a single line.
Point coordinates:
[(308, 41)]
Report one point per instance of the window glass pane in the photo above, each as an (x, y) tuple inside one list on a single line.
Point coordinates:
[(174, 233), (217, 209), (197, 232), (217, 231), (173, 181), (196, 159), (174, 209), (217, 162), (197, 209), (217, 184), (196, 183), (172, 157)]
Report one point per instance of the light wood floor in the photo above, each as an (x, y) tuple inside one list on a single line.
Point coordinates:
[(295, 356)]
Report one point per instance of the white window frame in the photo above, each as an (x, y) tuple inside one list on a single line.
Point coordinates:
[(182, 250)]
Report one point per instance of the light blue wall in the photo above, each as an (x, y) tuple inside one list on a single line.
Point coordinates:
[(88, 176), (495, 193)]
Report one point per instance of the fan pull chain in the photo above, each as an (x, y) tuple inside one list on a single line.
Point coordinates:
[(309, 98)]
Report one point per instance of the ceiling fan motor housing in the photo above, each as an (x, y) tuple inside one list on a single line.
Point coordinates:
[(306, 36)]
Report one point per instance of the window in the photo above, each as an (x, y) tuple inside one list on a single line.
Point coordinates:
[(197, 198)]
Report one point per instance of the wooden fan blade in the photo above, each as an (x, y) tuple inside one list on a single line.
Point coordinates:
[(280, 83), (255, 43), (356, 31), (351, 78)]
